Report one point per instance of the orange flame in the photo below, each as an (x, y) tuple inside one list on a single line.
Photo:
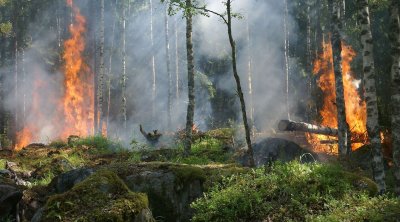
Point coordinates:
[(78, 99), (356, 114)]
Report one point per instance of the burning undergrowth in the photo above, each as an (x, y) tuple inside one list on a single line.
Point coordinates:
[(74, 113)]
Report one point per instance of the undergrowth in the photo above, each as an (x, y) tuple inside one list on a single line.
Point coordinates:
[(100, 143), (295, 192)]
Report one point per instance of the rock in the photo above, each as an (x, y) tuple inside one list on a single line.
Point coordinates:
[(57, 166), (5, 173), (170, 188), (66, 181), (273, 149), (9, 198), (38, 215), (102, 196)]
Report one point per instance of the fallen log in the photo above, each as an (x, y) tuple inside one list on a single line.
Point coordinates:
[(288, 125)]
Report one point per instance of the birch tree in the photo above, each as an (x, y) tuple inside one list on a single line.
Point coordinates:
[(395, 88), (336, 27), (370, 94)]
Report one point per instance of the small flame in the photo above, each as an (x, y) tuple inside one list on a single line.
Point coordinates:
[(356, 114)]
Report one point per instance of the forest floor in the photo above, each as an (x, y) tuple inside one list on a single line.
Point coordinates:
[(96, 179)]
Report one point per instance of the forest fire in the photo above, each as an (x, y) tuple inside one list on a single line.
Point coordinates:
[(75, 112), (355, 107), (78, 100)]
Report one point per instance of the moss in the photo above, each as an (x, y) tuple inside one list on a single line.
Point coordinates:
[(103, 196), (185, 173), (2, 164)]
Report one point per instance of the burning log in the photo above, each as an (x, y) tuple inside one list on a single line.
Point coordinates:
[(288, 125)]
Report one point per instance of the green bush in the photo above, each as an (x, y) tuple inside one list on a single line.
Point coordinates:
[(286, 192)]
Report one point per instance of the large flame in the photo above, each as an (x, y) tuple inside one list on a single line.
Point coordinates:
[(76, 106), (78, 101), (356, 114)]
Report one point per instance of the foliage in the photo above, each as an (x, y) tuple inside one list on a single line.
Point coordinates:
[(285, 192), (361, 208)]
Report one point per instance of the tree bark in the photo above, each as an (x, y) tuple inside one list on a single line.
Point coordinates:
[(190, 67), (370, 95), (395, 88), (288, 125), (336, 27), (168, 60), (238, 84), (101, 72)]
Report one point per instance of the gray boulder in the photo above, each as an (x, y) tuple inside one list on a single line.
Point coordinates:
[(66, 181), (9, 198)]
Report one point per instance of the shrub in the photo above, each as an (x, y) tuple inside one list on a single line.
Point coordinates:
[(286, 192)]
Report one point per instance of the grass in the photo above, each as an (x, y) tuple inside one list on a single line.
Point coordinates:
[(100, 143)]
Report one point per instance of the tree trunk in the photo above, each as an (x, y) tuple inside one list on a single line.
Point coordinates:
[(309, 63), (93, 22), (190, 67), (110, 74), (238, 85), (370, 95), (24, 86), (176, 61), (153, 64), (101, 72), (16, 79), (286, 50), (168, 60), (395, 88), (123, 80), (288, 125), (336, 27), (250, 79)]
